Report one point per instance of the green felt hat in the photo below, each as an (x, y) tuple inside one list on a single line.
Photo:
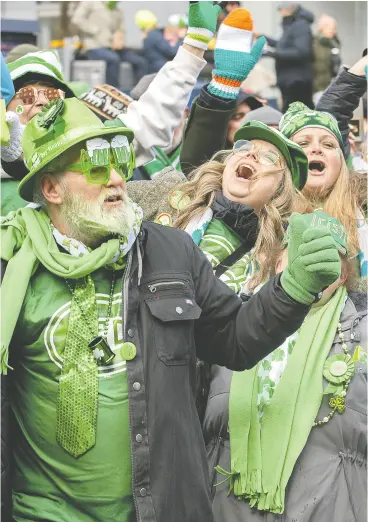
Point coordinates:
[(298, 116), (294, 155), (59, 126), (320, 219)]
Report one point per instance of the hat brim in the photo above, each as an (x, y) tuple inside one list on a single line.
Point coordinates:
[(25, 188), (297, 164)]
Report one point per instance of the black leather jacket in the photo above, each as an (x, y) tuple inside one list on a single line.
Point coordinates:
[(177, 309)]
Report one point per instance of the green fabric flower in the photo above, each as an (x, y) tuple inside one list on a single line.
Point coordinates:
[(339, 369)]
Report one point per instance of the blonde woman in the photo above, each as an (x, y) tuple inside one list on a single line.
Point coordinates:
[(329, 185), (241, 200)]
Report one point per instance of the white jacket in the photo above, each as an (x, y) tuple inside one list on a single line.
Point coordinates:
[(160, 110)]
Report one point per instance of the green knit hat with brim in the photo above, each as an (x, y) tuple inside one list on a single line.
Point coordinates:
[(59, 126), (299, 116), (320, 219), (295, 158), (37, 67)]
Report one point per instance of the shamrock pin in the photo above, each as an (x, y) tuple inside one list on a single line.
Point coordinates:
[(50, 112), (337, 403)]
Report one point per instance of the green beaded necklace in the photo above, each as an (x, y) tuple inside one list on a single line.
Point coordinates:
[(338, 370)]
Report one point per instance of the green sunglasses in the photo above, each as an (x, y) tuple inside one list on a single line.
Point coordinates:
[(96, 163)]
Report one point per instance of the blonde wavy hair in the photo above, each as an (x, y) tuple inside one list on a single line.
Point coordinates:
[(343, 201), (206, 180)]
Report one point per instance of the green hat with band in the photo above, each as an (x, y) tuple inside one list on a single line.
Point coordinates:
[(298, 116), (37, 67), (59, 126), (320, 219), (294, 155)]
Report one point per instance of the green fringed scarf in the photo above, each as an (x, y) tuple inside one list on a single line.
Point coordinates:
[(26, 241), (264, 453)]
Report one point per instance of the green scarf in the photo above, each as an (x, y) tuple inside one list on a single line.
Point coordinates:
[(26, 241), (264, 453)]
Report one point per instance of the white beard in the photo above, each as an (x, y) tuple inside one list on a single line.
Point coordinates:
[(91, 222)]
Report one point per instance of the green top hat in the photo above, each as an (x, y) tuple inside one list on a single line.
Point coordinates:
[(294, 155), (59, 126), (319, 219)]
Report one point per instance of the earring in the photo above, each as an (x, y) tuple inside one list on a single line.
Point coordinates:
[(19, 109)]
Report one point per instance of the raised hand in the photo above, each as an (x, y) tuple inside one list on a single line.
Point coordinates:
[(234, 55), (313, 261), (202, 22)]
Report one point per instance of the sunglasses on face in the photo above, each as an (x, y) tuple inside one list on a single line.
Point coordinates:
[(265, 157), (29, 95), (97, 169)]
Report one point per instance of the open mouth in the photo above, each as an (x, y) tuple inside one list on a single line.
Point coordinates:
[(245, 172), (113, 198), (317, 167)]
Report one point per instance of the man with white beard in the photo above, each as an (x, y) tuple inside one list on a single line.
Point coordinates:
[(102, 319)]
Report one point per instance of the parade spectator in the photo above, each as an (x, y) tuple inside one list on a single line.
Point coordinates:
[(102, 27), (293, 55), (158, 49), (290, 430), (244, 104), (240, 192), (327, 59), (153, 118), (37, 79), (330, 185), (83, 395)]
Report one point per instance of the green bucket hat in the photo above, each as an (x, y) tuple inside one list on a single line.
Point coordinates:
[(59, 126), (39, 66), (298, 116), (294, 155), (320, 219)]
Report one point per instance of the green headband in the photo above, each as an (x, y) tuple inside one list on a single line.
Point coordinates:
[(320, 219), (298, 116)]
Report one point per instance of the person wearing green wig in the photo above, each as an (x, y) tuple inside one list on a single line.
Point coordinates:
[(286, 440), (102, 318)]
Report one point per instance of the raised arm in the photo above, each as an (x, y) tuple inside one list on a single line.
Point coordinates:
[(160, 109), (211, 112), (342, 97)]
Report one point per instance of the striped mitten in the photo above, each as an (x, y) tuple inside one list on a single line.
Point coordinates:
[(234, 55), (202, 21)]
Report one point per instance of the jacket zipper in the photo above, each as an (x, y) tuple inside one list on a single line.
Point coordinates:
[(153, 287), (125, 288)]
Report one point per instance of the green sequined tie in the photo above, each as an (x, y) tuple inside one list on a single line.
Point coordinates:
[(78, 384)]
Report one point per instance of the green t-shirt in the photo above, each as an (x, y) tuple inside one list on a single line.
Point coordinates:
[(49, 484), (10, 200)]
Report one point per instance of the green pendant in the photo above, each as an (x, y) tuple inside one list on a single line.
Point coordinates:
[(101, 351)]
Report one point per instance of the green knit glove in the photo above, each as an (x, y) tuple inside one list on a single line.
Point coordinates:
[(234, 55), (202, 21), (313, 261)]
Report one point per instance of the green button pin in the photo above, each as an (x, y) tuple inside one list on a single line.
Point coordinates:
[(128, 351), (338, 368)]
